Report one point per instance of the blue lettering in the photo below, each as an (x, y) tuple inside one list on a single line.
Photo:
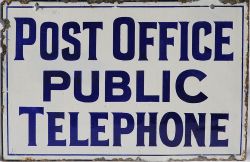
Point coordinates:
[(54, 42), (110, 85), (180, 86), (206, 55), (142, 129), (75, 42), (140, 96), (215, 129), (74, 141), (78, 87), (32, 112), (118, 130), (48, 86), (144, 40), (53, 129), (184, 41), (164, 39), (20, 40), (92, 26), (129, 55), (164, 129), (96, 129), (197, 129), (220, 40)]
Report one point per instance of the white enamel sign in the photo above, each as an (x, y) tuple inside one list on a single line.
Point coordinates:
[(152, 81)]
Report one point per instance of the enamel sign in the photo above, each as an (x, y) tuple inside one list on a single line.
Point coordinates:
[(132, 81)]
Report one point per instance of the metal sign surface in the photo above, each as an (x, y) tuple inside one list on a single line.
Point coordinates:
[(152, 81)]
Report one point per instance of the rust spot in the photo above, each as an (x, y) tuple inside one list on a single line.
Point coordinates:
[(186, 1), (233, 1), (2, 110), (99, 159), (28, 159), (246, 88), (204, 158), (6, 1), (121, 1), (119, 159), (6, 25), (117, 1)]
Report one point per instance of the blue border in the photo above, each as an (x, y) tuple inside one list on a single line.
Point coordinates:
[(242, 77)]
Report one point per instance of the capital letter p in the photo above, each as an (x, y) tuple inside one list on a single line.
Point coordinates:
[(48, 86), (20, 40)]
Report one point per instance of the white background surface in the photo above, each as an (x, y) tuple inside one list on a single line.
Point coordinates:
[(248, 150)]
